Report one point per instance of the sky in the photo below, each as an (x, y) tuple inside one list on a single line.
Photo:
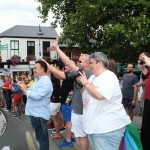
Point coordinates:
[(21, 12)]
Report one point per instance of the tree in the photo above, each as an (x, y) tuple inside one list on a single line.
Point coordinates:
[(119, 28)]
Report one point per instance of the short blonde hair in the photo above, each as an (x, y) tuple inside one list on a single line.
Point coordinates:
[(85, 55)]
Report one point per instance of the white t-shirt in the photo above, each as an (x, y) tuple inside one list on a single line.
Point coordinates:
[(102, 116)]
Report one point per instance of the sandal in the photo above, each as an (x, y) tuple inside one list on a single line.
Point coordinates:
[(53, 136)]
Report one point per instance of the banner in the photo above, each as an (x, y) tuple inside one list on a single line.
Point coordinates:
[(4, 47)]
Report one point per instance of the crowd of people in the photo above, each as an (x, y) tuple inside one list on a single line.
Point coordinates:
[(11, 96), (85, 98)]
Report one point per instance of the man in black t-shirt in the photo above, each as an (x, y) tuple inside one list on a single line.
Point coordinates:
[(66, 88)]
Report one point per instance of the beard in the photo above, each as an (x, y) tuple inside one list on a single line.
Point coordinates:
[(129, 71)]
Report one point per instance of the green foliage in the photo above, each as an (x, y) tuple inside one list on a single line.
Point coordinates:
[(119, 28)]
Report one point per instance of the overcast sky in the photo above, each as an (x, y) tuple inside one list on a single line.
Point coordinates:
[(20, 12)]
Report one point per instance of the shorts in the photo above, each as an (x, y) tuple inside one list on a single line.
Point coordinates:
[(77, 125), (127, 103), (66, 112), (55, 108), (17, 98), (108, 141)]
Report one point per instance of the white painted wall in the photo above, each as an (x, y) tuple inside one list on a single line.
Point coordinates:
[(23, 48)]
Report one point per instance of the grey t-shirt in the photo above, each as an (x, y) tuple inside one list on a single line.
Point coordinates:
[(128, 83), (76, 101)]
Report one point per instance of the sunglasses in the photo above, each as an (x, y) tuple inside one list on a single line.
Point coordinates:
[(79, 61)]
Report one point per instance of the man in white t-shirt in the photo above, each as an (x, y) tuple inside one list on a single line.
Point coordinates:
[(104, 117)]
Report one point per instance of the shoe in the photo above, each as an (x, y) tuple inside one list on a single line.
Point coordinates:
[(50, 127), (19, 115), (15, 116), (73, 139), (65, 144), (6, 109), (61, 130)]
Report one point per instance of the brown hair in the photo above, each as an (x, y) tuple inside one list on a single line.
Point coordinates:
[(43, 65), (112, 66)]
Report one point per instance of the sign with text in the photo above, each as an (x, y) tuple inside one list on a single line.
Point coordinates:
[(3, 123)]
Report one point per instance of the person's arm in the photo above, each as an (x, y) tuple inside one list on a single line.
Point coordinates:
[(139, 84), (134, 95), (57, 73), (63, 57), (135, 90), (141, 97), (38, 92), (16, 89), (90, 87)]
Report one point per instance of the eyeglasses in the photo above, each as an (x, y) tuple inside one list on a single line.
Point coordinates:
[(79, 61)]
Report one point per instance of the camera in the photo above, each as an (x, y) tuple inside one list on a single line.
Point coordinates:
[(141, 62), (74, 75)]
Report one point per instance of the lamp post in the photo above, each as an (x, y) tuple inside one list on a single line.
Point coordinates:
[(40, 33)]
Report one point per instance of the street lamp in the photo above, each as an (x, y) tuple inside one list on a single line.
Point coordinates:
[(40, 33)]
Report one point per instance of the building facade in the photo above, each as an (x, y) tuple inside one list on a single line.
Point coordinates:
[(29, 43)]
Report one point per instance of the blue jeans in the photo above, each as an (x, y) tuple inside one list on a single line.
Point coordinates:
[(41, 133), (107, 141), (8, 100)]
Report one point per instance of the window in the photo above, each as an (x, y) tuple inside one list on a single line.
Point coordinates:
[(46, 44), (69, 54), (30, 48), (14, 45)]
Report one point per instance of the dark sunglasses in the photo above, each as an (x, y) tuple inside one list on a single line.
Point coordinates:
[(79, 61)]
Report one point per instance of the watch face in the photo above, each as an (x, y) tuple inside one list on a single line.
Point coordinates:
[(3, 123)]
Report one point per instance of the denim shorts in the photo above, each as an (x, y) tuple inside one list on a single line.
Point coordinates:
[(107, 141)]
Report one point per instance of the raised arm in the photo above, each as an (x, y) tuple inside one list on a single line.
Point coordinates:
[(57, 73), (63, 57)]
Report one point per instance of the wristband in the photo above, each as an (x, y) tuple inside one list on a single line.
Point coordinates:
[(86, 84)]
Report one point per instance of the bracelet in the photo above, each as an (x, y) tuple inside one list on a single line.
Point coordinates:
[(86, 84)]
